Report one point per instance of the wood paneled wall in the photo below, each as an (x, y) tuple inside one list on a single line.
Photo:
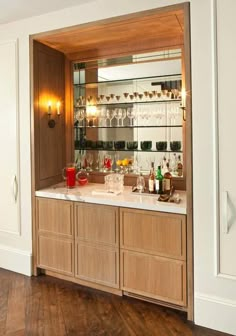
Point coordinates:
[(49, 85)]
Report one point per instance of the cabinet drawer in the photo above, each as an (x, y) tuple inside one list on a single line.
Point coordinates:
[(55, 216), (155, 277), (153, 232), (97, 223), (97, 264), (56, 255)]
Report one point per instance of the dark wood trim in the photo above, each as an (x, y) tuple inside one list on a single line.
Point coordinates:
[(69, 111), (188, 159)]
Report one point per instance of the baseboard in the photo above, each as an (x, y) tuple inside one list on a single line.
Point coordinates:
[(215, 313), (16, 260)]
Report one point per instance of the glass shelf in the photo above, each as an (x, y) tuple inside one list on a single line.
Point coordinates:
[(165, 78), (129, 150), (133, 126), (129, 104)]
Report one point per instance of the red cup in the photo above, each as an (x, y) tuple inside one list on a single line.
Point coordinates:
[(69, 174)]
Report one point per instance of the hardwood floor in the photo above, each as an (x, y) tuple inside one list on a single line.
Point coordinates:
[(47, 306)]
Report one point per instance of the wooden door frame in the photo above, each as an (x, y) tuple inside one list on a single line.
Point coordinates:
[(188, 129)]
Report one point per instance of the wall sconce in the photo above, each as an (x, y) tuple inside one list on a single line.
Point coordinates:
[(91, 114), (52, 122), (183, 103)]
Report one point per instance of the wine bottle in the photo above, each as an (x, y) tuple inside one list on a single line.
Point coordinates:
[(158, 181), (179, 166), (151, 180), (167, 182)]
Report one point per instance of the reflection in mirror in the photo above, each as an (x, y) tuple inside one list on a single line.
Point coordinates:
[(127, 113)]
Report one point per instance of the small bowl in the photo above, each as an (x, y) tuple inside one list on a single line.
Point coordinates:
[(88, 143), (93, 144), (119, 144), (108, 145), (132, 144), (82, 181), (146, 145), (99, 144), (175, 145), (161, 145)]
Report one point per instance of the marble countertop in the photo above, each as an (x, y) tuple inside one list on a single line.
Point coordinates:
[(96, 193)]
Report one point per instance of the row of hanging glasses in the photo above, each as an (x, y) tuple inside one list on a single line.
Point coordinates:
[(115, 163), (125, 97), (141, 115)]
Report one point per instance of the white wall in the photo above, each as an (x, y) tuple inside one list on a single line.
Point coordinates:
[(215, 299)]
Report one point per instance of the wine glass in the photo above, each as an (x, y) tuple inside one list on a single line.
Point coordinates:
[(80, 115), (123, 116), (110, 115), (89, 159), (118, 115), (140, 184), (130, 115)]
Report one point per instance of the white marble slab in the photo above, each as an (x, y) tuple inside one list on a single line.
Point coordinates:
[(96, 193)]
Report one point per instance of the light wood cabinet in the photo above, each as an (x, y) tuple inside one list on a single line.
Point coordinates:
[(97, 244), (55, 217), (153, 232), (115, 249), (55, 238), (153, 254), (97, 263), (154, 277), (56, 254), (97, 223)]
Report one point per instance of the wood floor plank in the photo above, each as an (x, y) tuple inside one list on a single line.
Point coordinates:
[(45, 306), (16, 305)]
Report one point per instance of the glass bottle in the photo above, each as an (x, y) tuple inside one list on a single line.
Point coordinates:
[(151, 180), (167, 182), (179, 166), (158, 181)]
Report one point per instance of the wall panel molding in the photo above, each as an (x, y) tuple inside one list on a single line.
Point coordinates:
[(10, 213)]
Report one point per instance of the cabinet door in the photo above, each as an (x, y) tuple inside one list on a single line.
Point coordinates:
[(56, 254), (153, 232), (97, 223), (9, 139), (98, 264), (155, 277), (55, 217), (226, 30)]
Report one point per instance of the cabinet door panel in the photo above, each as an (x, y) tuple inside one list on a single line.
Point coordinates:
[(97, 223), (155, 277), (155, 233), (9, 139), (56, 255), (55, 216), (226, 27), (97, 264)]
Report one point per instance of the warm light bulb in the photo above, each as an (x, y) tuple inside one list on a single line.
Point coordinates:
[(58, 108), (91, 110), (49, 107), (183, 95)]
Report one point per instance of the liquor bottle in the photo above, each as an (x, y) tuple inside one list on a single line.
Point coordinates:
[(179, 166), (151, 180), (164, 167), (158, 181), (167, 182)]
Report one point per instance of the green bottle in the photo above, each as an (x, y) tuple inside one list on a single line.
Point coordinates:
[(159, 180)]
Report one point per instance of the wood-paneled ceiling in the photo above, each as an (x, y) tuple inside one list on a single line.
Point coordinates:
[(139, 32)]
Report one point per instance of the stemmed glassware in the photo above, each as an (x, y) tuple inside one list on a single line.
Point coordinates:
[(80, 115), (140, 184), (130, 115), (110, 115), (89, 159), (118, 115), (123, 116)]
